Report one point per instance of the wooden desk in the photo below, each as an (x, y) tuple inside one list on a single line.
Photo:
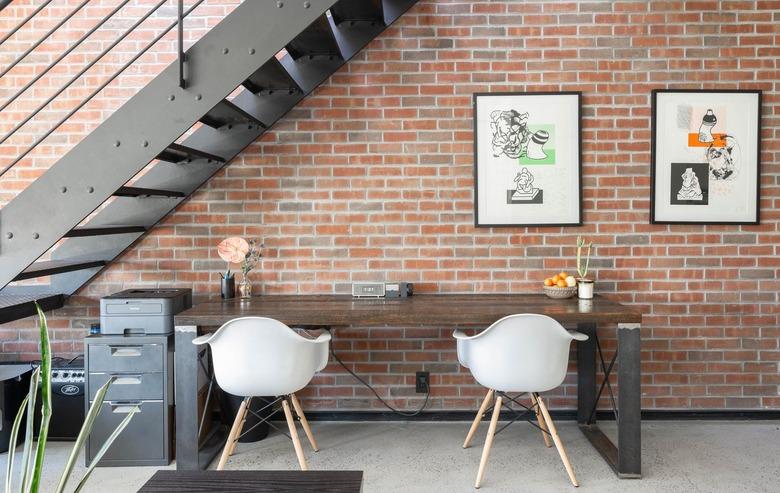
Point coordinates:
[(255, 481), (473, 310)]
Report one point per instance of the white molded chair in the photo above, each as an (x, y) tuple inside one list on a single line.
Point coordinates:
[(258, 356), (524, 353)]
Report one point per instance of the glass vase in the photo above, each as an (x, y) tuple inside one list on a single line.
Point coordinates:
[(245, 289)]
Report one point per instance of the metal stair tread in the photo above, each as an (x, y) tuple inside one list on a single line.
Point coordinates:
[(357, 11), (50, 267), (316, 40), (18, 306), (271, 76), (144, 192), (176, 153), (103, 230), (227, 113)]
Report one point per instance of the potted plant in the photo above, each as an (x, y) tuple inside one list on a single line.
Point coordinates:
[(29, 478), (233, 251), (584, 285), (250, 261)]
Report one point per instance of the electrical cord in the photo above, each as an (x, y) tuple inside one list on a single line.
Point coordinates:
[(404, 414)]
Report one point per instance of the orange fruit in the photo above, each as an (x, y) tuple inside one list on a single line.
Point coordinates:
[(563, 275), (561, 283), (548, 282), (556, 278)]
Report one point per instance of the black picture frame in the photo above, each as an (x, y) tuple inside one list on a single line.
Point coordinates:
[(654, 165), (578, 174)]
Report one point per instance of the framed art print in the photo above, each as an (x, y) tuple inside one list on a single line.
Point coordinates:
[(706, 153), (527, 167)]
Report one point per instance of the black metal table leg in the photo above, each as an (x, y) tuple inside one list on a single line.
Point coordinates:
[(192, 453), (625, 458), (630, 401), (586, 372)]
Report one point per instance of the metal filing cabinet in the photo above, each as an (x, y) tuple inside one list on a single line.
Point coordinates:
[(135, 352), (141, 370)]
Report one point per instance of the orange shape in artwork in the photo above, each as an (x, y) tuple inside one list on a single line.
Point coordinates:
[(693, 140)]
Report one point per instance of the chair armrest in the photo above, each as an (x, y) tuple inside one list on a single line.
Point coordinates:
[(578, 336), (204, 339), (459, 334), (324, 337)]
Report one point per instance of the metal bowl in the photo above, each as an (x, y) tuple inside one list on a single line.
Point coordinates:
[(560, 293)]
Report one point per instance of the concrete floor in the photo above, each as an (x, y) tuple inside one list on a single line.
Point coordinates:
[(681, 456)]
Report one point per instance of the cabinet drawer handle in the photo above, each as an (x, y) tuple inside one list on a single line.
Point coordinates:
[(125, 407), (124, 351), (126, 380)]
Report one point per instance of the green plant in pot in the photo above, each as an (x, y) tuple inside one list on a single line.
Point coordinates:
[(33, 452), (584, 285)]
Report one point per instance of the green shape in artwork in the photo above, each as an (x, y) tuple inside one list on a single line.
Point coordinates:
[(550, 159), (540, 149)]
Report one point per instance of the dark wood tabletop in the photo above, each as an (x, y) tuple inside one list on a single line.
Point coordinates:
[(450, 310), (254, 481)]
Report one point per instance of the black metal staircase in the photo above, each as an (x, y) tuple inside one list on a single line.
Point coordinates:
[(276, 51)]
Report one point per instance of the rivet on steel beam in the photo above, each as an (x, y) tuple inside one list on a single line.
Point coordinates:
[(117, 143), (36, 236), (225, 51), (198, 97), (145, 143), (306, 5), (63, 189), (251, 51), (90, 189), (9, 235), (171, 97), (279, 5)]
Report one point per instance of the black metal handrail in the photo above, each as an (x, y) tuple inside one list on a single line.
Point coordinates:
[(182, 15), (25, 21), (62, 56), (44, 37)]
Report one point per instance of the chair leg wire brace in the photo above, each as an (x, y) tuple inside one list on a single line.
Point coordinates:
[(287, 402), (538, 408)]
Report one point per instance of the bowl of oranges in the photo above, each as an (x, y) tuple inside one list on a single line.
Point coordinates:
[(560, 286)]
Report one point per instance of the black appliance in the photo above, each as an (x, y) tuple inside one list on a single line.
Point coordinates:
[(15, 382), (67, 399)]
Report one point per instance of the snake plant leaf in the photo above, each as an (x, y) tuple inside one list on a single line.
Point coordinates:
[(86, 429), (27, 453), (9, 468), (105, 447), (43, 432)]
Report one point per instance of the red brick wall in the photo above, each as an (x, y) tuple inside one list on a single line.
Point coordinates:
[(371, 178)]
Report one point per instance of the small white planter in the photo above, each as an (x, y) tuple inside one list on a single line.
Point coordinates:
[(585, 289)]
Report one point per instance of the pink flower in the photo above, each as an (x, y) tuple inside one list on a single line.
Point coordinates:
[(233, 250)]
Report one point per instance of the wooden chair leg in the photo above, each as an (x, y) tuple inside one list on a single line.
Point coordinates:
[(478, 418), (240, 427), (304, 422), (557, 440), (294, 435), (235, 431), (488, 441), (540, 420)]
